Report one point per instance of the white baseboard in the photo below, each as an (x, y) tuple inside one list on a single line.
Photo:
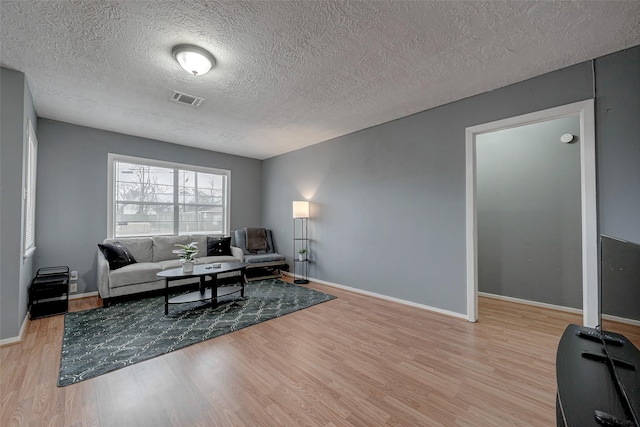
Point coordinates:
[(388, 298), (621, 320), (85, 295), (20, 337), (558, 308), (532, 303)]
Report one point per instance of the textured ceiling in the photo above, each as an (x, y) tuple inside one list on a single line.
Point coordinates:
[(289, 73)]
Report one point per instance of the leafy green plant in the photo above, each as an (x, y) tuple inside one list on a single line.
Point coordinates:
[(187, 252), (303, 251)]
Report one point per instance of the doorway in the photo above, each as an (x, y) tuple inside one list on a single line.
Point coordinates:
[(588, 232)]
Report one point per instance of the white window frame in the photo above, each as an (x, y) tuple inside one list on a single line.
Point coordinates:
[(30, 167), (112, 158)]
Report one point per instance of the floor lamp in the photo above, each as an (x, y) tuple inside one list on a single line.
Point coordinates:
[(300, 242)]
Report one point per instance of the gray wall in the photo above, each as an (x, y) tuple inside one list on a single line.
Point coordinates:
[(618, 150), (529, 213), (16, 106), (71, 213), (388, 203)]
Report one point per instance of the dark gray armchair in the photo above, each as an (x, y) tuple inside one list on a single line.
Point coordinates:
[(263, 264)]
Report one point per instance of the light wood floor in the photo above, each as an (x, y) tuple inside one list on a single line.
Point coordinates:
[(356, 360)]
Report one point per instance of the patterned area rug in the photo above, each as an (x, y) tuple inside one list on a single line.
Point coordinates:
[(105, 339)]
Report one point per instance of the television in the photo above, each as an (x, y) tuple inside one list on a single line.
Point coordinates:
[(620, 278)]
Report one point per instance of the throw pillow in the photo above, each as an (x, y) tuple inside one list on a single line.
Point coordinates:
[(117, 255), (218, 246)]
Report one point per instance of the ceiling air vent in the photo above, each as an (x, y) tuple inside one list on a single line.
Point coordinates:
[(183, 98)]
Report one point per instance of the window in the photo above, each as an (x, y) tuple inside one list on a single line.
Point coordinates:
[(29, 191), (151, 198)]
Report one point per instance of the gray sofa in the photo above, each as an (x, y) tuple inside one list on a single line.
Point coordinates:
[(152, 255)]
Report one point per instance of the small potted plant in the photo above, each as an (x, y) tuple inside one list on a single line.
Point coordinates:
[(302, 254), (187, 254)]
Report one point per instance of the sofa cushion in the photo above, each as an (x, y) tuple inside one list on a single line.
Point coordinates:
[(140, 247), (215, 259), (134, 273), (218, 246), (117, 255), (163, 247), (201, 240), (258, 258), (170, 263)]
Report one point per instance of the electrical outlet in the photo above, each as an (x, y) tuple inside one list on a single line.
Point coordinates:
[(73, 288)]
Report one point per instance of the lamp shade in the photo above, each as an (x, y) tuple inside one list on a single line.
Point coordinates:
[(301, 209), (194, 59)]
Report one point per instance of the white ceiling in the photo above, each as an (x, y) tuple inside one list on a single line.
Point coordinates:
[(289, 73)]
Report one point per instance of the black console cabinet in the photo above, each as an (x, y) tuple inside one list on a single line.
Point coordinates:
[(49, 292), (586, 382)]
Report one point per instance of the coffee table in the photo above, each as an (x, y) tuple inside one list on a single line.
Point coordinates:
[(208, 288)]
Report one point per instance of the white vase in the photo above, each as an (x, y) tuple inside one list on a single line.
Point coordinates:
[(301, 257), (187, 267)]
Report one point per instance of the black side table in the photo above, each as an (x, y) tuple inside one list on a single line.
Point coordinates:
[(49, 292)]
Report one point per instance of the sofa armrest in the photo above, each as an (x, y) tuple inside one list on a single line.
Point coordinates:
[(238, 253), (102, 276)]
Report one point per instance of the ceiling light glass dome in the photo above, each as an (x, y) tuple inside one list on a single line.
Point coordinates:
[(194, 59)]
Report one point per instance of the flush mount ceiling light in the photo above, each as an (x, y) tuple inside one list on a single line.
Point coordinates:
[(195, 60)]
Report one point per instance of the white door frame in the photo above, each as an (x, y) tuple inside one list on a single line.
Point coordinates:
[(590, 282)]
